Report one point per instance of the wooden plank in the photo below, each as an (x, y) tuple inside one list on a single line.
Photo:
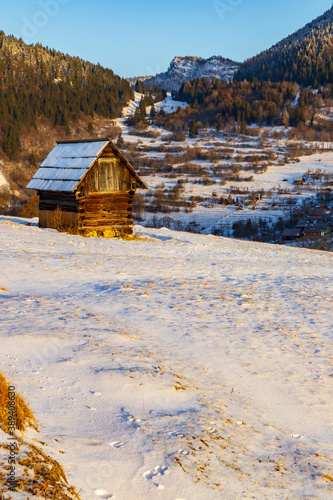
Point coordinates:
[(123, 215), (67, 219), (105, 203), (103, 219), (107, 199), (102, 210), (104, 206), (118, 227), (50, 195)]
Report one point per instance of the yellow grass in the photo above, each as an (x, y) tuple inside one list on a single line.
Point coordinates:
[(24, 416), (43, 476)]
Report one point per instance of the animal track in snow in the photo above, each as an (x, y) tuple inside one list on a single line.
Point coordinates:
[(103, 494), (176, 434), (116, 444), (96, 393), (183, 452), (94, 442), (134, 421), (158, 471)]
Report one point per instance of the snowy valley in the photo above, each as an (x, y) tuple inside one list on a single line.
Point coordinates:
[(216, 182)]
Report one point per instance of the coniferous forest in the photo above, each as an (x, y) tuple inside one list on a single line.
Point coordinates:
[(37, 81), (305, 57), (220, 104)]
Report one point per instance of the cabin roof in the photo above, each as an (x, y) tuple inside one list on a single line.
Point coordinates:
[(69, 161), (294, 232), (317, 212), (318, 227)]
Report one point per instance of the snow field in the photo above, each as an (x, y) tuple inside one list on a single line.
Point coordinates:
[(178, 366)]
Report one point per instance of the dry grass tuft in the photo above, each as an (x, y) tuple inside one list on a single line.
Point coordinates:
[(36, 473), (24, 416)]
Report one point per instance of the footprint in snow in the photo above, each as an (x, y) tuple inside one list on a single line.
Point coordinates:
[(116, 444), (94, 442), (158, 471), (134, 421), (176, 434), (103, 494)]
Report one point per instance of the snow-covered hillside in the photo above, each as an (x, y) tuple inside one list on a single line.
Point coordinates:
[(168, 105), (175, 366), (3, 181), (183, 69), (132, 106)]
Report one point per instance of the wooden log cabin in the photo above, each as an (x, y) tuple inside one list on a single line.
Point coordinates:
[(88, 186)]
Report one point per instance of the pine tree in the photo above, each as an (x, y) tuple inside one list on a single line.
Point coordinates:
[(120, 141), (90, 128), (11, 142), (285, 118), (32, 160), (193, 131)]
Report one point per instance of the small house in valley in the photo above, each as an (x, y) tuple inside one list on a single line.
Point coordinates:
[(88, 186)]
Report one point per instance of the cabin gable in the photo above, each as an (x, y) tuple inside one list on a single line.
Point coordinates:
[(108, 174)]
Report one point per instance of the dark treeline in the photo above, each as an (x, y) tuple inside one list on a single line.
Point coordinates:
[(36, 81)]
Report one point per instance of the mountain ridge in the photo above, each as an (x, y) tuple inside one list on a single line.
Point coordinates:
[(189, 67)]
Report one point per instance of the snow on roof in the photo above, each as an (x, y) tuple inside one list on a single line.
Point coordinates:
[(67, 163)]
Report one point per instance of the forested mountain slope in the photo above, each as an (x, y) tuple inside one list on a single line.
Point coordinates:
[(304, 57), (37, 81)]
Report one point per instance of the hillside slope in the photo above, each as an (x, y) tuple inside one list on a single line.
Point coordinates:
[(177, 366), (304, 57), (37, 81)]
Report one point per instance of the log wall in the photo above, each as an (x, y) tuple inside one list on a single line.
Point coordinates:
[(104, 211), (49, 200)]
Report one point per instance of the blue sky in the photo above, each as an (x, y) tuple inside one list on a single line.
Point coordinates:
[(136, 38)]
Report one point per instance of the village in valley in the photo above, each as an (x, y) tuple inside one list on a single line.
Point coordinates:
[(217, 183)]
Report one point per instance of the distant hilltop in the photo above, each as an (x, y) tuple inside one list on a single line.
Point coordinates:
[(183, 69)]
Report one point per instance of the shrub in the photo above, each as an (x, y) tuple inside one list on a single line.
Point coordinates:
[(5, 197), (29, 209)]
